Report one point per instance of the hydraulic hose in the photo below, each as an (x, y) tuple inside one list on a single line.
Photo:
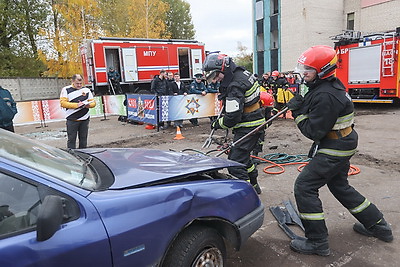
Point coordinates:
[(279, 160)]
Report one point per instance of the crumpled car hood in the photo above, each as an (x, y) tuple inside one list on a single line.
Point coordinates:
[(136, 166)]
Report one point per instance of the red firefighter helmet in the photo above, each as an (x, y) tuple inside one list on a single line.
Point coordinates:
[(275, 73), (321, 58), (266, 99)]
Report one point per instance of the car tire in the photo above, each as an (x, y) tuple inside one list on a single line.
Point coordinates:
[(197, 246)]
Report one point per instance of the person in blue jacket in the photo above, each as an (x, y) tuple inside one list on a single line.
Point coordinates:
[(213, 86), (197, 87), (114, 79)]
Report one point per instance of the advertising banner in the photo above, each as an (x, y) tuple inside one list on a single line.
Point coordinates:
[(142, 108), (188, 107), (114, 104), (29, 111), (48, 110)]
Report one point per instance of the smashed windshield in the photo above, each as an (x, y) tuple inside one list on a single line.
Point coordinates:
[(52, 161)]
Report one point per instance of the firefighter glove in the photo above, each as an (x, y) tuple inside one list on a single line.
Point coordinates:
[(295, 103), (215, 125)]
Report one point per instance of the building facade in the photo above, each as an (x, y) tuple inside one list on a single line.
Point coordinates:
[(283, 29)]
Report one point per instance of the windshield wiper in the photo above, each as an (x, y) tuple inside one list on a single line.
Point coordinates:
[(85, 168)]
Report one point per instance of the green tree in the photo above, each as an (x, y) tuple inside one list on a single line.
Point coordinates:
[(179, 20), (70, 23), (20, 22), (243, 58), (140, 19), (113, 24)]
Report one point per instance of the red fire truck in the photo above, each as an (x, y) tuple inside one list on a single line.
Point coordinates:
[(368, 65), (138, 61)]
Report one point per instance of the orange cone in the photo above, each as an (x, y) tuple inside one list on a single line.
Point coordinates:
[(150, 127), (179, 135)]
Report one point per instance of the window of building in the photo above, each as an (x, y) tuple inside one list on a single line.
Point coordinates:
[(260, 26), (274, 7), (260, 62), (274, 40), (260, 42), (350, 21), (259, 10)]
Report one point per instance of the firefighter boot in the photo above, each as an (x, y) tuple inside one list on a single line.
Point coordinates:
[(381, 230), (307, 246)]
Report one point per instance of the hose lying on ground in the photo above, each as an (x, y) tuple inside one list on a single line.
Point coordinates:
[(278, 160)]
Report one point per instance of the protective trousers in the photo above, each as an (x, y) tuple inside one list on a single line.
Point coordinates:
[(241, 153), (332, 171)]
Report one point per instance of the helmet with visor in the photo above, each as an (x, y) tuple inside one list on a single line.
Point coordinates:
[(320, 58), (214, 64)]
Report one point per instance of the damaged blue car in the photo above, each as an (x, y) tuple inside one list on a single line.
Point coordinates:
[(119, 207)]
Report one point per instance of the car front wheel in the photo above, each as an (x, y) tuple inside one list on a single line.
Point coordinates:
[(197, 246)]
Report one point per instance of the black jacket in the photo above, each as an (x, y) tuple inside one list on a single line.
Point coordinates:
[(178, 90), (241, 86), (280, 82), (159, 86), (327, 107)]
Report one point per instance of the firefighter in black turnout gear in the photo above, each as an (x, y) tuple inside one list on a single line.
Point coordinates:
[(326, 115), (240, 93)]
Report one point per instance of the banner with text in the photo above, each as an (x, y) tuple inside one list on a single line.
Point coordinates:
[(142, 108)]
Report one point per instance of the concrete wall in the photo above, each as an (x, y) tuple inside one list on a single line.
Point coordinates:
[(383, 18), (305, 23), (28, 89)]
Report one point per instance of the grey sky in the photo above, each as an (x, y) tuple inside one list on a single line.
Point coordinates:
[(221, 24)]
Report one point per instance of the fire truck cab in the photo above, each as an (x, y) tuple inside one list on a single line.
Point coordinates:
[(138, 61), (368, 65)]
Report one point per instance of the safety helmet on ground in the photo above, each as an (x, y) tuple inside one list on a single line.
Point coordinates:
[(321, 58), (266, 99), (275, 73)]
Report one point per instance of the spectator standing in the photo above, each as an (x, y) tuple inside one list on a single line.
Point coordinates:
[(170, 81), (159, 87), (278, 86), (290, 78), (114, 79), (178, 88), (266, 80), (213, 86), (8, 109), (77, 100), (197, 87)]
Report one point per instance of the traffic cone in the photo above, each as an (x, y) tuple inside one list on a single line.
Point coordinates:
[(179, 135), (150, 127)]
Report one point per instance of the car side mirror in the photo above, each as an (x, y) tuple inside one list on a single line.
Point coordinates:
[(50, 217)]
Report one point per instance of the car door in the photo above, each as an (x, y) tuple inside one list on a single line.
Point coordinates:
[(81, 241)]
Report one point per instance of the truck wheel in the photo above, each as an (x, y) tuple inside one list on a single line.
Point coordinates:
[(197, 246)]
